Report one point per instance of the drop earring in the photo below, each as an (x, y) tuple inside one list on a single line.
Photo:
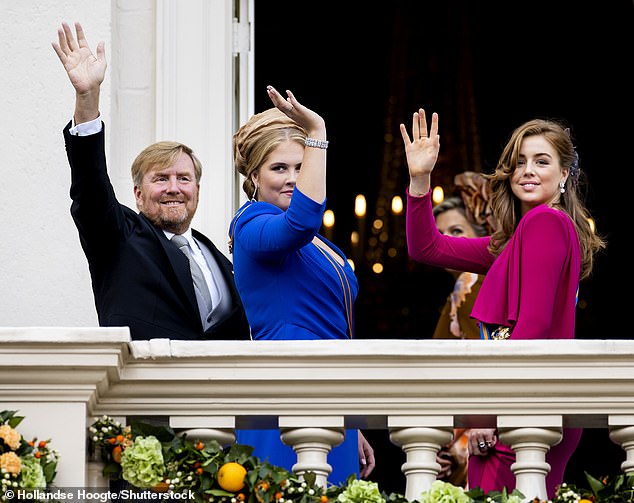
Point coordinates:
[(253, 199), (562, 187)]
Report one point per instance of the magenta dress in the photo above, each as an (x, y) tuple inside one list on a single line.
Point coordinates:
[(531, 286)]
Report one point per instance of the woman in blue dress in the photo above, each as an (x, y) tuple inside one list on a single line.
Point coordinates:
[(294, 283)]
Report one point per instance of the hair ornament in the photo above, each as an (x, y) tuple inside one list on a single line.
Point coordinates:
[(476, 194), (574, 166)]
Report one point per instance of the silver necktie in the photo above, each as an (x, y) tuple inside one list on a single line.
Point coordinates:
[(197, 274)]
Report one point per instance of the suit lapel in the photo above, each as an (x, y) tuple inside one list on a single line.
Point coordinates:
[(179, 264)]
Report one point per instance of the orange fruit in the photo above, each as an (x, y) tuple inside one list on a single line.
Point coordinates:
[(161, 487), (116, 454), (231, 476)]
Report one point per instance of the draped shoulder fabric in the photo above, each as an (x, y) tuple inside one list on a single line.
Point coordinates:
[(532, 285)]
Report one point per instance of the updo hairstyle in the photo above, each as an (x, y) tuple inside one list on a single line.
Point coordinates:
[(257, 138)]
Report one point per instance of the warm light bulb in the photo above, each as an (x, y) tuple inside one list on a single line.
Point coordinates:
[(329, 218), (354, 238), (359, 205), (377, 268), (438, 194), (593, 226), (397, 205)]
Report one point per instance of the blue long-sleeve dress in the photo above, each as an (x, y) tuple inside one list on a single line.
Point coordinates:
[(292, 290)]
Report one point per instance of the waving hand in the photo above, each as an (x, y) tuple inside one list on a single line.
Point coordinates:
[(421, 151), (85, 70)]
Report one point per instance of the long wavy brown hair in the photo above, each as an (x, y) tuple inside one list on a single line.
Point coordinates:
[(505, 207)]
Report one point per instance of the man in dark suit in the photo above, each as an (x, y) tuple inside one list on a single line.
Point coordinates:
[(140, 278)]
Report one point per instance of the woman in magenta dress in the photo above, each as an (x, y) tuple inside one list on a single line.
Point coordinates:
[(542, 247)]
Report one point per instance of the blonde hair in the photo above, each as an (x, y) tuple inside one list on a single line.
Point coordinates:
[(456, 203), (257, 137), (505, 205), (161, 155)]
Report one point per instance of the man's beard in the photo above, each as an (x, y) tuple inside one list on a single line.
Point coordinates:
[(174, 221)]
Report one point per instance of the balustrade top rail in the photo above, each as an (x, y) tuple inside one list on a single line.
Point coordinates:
[(366, 381)]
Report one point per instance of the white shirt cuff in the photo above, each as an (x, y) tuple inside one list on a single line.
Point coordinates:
[(86, 128)]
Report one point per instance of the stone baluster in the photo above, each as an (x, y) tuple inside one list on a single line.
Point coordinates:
[(622, 433), (312, 439), (420, 437), (219, 428), (530, 437)]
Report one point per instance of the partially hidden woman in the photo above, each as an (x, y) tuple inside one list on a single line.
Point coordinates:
[(542, 247), (294, 283), (453, 218), (455, 320)]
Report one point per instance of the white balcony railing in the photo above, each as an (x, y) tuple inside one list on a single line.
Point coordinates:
[(61, 378)]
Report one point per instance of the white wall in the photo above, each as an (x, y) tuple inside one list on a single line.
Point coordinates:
[(150, 93)]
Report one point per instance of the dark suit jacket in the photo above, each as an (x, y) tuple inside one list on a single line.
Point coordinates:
[(139, 278)]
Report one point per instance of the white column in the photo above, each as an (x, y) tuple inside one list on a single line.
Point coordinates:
[(622, 433), (312, 439), (420, 437), (530, 437), (132, 77), (219, 428), (195, 99), (94, 473)]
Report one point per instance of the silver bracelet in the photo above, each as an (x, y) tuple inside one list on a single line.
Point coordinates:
[(312, 142)]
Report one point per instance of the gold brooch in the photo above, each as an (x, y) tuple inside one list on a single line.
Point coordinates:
[(501, 333)]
